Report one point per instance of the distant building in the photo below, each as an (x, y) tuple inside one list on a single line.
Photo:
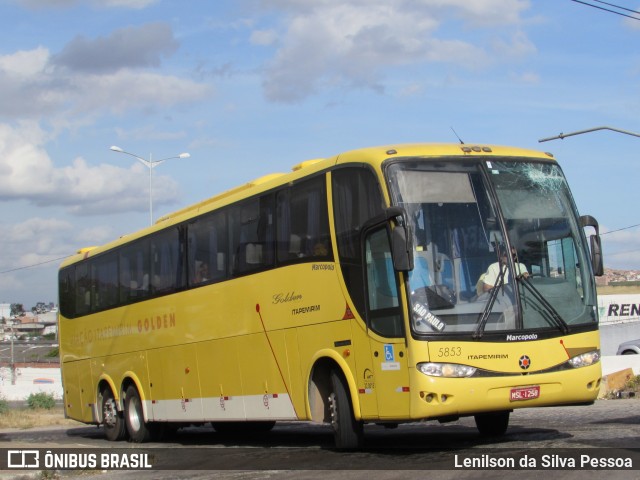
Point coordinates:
[(5, 310)]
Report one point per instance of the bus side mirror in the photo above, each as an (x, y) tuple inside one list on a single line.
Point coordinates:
[(596, 255), (401, 250), (595, 243)]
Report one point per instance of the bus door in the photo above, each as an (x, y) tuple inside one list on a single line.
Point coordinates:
[(385, 326)]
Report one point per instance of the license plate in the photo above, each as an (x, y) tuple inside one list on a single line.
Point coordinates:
[(524, 393)]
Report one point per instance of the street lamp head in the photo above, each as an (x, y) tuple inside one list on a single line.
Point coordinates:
[(182, 155), (116, 149)]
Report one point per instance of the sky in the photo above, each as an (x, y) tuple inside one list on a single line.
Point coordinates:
[(251, 87)]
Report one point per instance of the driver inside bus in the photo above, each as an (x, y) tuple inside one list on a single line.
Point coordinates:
[(491, 278)]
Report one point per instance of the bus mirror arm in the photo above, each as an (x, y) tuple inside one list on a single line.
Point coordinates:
[(595, 243), (589, 221)]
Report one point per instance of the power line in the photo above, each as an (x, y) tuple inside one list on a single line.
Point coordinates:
[(34, 265), (619, 229), (617, 6), (609, 10)]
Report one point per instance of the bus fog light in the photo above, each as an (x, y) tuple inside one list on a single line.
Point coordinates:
[(448, 370), (585, 359)]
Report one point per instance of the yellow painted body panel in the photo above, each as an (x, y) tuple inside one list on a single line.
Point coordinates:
[(251, 336)]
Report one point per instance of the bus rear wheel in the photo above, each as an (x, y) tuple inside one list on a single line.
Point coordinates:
[(112, 421), (492, 424), (348, 433), (139, 431)]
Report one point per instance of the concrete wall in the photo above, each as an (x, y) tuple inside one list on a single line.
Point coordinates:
[(613, 335), (28, 381)]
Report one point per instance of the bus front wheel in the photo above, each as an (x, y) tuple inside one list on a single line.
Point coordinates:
[(114, 427), (348, 433), (138, 430), (492, 424)]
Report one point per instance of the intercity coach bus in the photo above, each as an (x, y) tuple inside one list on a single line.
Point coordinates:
[(352, 290)]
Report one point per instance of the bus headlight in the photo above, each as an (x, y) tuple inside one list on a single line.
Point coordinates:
[(449, 370), (585, 359)]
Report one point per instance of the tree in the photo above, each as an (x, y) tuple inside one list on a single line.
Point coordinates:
[(16, 309)]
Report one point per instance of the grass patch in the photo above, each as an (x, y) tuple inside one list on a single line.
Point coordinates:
[(25, 418)]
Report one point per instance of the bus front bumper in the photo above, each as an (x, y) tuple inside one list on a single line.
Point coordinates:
[(437, 397)]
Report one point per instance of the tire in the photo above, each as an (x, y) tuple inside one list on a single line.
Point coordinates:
[(112, 420), (139, 431), (348, 433), (492, 424)]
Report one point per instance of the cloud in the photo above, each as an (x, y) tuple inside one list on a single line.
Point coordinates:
[(129, 47), (621, 247), (264, 37), (83, 189), (62, 92), (52, 4), (330, 43)]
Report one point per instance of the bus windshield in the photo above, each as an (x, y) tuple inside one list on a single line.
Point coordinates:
[(498, 248)]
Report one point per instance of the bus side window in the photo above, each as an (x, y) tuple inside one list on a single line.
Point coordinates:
[(251, 226), (83, 289), (303, 222), (167, 271), (67, 290), (134, 266), (356, 199), (207, 248), (384, 315)]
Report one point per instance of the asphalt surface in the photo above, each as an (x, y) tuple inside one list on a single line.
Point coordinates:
[(608, 430)]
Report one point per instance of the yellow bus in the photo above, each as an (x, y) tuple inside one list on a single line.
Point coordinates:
[(383, 285)]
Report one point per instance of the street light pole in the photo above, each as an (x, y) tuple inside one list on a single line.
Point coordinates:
[(150, 164), (589, 130)]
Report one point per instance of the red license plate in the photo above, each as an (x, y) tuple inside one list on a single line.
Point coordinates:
[(524, 393)]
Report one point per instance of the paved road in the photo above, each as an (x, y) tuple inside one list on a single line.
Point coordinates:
[(28, 351), (296, 450)]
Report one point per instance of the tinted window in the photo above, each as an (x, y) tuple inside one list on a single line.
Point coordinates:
[(83, 288), (207, 249), (303, 224), (251, 226), (356, 199), (66, 292), (104, 281), (167, 265), (134, 271)]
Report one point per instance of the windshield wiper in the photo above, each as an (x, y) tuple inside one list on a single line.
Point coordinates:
[(484, 317), (552, 315)]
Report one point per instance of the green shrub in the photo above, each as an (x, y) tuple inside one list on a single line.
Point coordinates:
[(4, 406), (54, 352), (41, 400)]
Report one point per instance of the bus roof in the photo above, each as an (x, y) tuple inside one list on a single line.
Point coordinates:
[(371, 155)]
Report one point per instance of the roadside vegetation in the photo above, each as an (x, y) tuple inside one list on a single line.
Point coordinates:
[(40, 410), (631, 389)]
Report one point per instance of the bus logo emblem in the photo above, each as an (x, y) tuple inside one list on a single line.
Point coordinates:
[(525, 362)]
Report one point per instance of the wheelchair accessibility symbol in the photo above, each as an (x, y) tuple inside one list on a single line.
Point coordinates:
[(388, 353)]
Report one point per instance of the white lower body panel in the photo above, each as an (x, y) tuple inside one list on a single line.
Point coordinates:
[(276, 406)]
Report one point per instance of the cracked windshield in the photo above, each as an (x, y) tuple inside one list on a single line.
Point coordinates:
[(497, 247)]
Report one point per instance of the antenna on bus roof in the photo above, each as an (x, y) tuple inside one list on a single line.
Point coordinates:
[(457, 136)]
